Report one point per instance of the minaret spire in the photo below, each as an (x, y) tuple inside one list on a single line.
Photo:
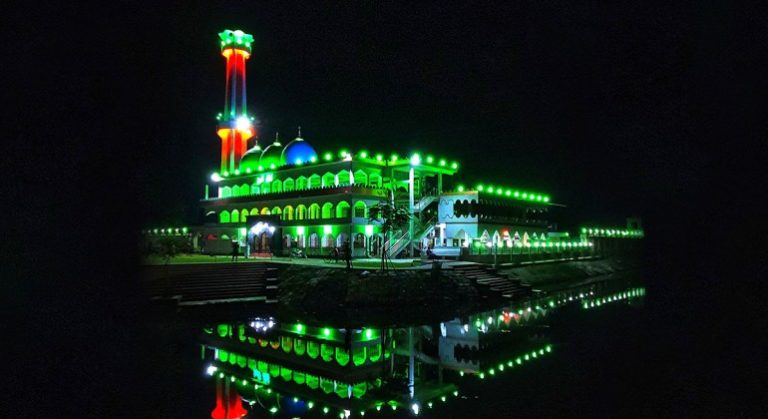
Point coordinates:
[(235, 126)]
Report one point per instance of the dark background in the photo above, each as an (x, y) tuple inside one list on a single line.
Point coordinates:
[(616, 109)]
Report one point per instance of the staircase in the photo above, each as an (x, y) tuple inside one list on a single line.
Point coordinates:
[(423, 203), (488, 280), (420, 231), (214, 283)]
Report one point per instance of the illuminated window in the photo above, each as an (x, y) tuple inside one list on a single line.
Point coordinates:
[(360, 209), (288, 213), (301, 183), (342, 209), (314, 181), (235, 216), (224, 217), (314, 212), (328, 211), (288, 185), (361, 178), (343, 177), (329, 180)]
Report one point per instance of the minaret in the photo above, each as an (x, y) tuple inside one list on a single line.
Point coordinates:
[(235, 126)]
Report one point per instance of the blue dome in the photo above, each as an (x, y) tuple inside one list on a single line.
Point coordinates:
[(299, 151)]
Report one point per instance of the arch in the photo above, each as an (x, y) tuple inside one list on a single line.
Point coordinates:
[(329, 179), (225, 192), (255, 189), (327, 211), (462, 237), (288, 185), (496, 237), (313, 349), (341, 239), (314, 211), (224, 217), (342, 356), (254, 211), (343, 177), (374, 352), (265, 187), (301, 183), (244, 215), (374, 179), (359, 355), (265, 211), (235, 217), (245, 189), (328, 240), (235, 190), (275, 211), (277, 186), (326, 352), (286, 342), (314, 181), (301, 212), (314, 241), (342, 209), (299, 346), (360, 210), (360, 177), (287, 213)]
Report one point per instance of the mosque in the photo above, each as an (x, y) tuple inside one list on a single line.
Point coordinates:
[(281, 196)]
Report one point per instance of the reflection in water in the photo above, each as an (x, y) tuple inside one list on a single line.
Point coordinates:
[(308, 368)]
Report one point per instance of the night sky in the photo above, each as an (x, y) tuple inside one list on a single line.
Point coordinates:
[(613, 109)]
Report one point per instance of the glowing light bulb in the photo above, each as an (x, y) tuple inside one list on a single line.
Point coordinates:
[(243, 123)]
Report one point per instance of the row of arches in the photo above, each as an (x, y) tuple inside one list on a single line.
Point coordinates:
[(473, 208), (314, 181), (262, 370), (301, 212)]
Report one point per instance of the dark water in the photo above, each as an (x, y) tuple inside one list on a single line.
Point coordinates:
[(582, 351)]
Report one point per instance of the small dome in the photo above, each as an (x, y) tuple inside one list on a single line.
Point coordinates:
[(250, 159), (298, 151), (272, 155)]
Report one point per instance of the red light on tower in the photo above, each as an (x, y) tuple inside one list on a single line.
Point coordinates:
[(235, 126)]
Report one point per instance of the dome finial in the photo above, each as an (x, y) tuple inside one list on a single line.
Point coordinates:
[(299, 136), (277, 138)]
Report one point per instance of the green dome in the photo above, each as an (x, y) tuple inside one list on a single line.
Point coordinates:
[(250, 159), (272, 155)]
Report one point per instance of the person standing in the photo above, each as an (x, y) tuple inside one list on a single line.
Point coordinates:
[(235, 250), (348, 254)]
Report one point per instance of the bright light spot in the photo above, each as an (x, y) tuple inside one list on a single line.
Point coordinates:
[(379, 157), (368, 333), (369, 230), (243, 123), (415, 159), (460, 188), (415, 408), (363, 154), (454, 165), (215, 177), (211, 370), (327, 229), (326, 332), (327, 156), (299, 328), (273, 410), (442, 162)]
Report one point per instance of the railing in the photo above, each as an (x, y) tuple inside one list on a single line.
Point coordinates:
[(424, 202), (398, 245)]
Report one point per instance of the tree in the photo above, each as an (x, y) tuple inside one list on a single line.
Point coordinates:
[(393, 219)]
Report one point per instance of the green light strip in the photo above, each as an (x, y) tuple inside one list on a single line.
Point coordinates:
[(625, 295), (177, 231), (612, 232), (528, 356), (509, 193)]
